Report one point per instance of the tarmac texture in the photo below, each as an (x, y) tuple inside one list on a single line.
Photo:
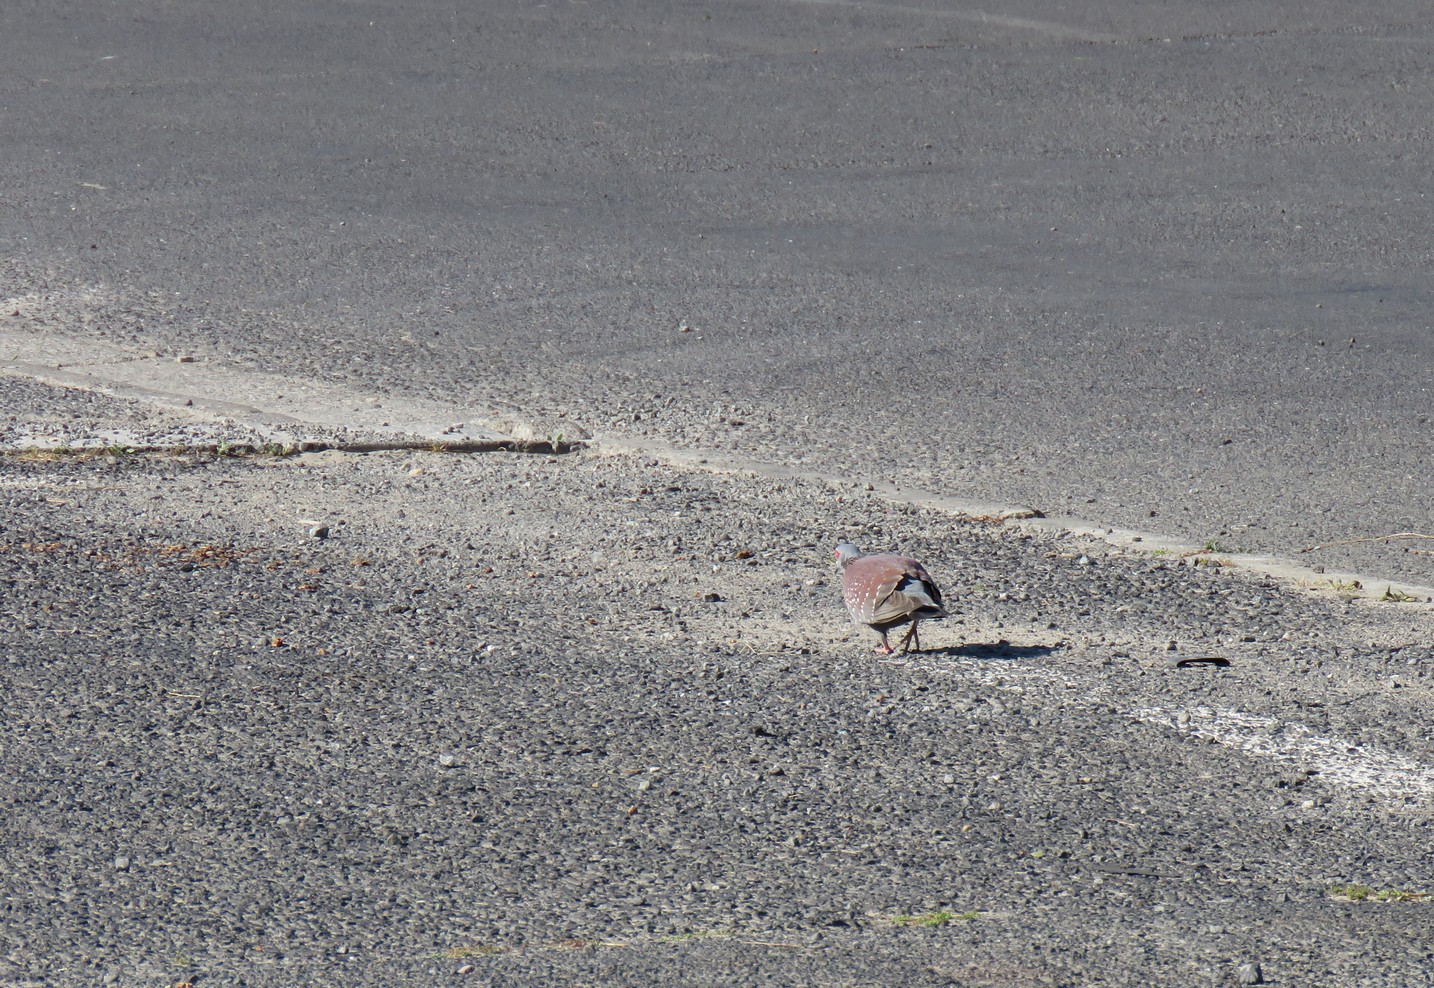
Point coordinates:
[(792, 273), (1157, 266), (593, 719)]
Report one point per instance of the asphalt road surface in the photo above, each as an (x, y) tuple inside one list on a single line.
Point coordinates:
[(599, 719), (534, 720), (1158, 266)]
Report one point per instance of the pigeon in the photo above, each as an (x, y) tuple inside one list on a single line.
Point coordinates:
[(886, 590)]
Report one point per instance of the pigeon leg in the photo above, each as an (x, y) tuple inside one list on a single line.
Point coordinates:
[(884, 648), (912, 636)]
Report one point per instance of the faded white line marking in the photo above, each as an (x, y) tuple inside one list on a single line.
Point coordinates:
[(1392, 777), (1049, 28), (1372, 769)]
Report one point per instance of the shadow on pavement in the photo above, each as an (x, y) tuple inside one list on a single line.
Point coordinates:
[(992, 650)]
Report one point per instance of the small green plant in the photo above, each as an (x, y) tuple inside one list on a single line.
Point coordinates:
[(1215, 545), (1346, 586), (939, 917), (1364, 893), (469, 950), (39, 454), (1398, 596)]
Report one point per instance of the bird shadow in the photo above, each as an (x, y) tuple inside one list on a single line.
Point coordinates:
[(992, 650)]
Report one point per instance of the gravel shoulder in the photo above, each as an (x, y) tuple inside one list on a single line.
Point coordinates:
[(597, 719)]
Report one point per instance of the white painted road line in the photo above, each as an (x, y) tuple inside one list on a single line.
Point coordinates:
[(1378, 771)]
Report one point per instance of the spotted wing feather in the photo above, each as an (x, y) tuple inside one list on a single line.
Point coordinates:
[(887, 589)]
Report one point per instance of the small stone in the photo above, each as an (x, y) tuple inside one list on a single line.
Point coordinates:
[(1083, 561), (319, 532), (466, 969), (122, 863), (447, 760), (184, 359), (1250, 974)]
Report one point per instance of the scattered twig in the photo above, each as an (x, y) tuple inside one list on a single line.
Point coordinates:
[(1369, 538), (555, 445)]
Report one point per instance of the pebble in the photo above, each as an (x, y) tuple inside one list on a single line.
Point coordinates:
[(1250, 974)]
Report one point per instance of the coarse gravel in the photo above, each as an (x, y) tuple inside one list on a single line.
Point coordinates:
[(41, 416), (596, 719), (1156, 266)]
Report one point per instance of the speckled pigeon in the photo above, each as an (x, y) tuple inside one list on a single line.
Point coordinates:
[(886, 590)]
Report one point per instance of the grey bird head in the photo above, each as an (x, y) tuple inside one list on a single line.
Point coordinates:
[(845, 553)]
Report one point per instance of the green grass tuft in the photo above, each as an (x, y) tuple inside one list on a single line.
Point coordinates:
[(470, 950), (939, 917), (1364, 893)]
